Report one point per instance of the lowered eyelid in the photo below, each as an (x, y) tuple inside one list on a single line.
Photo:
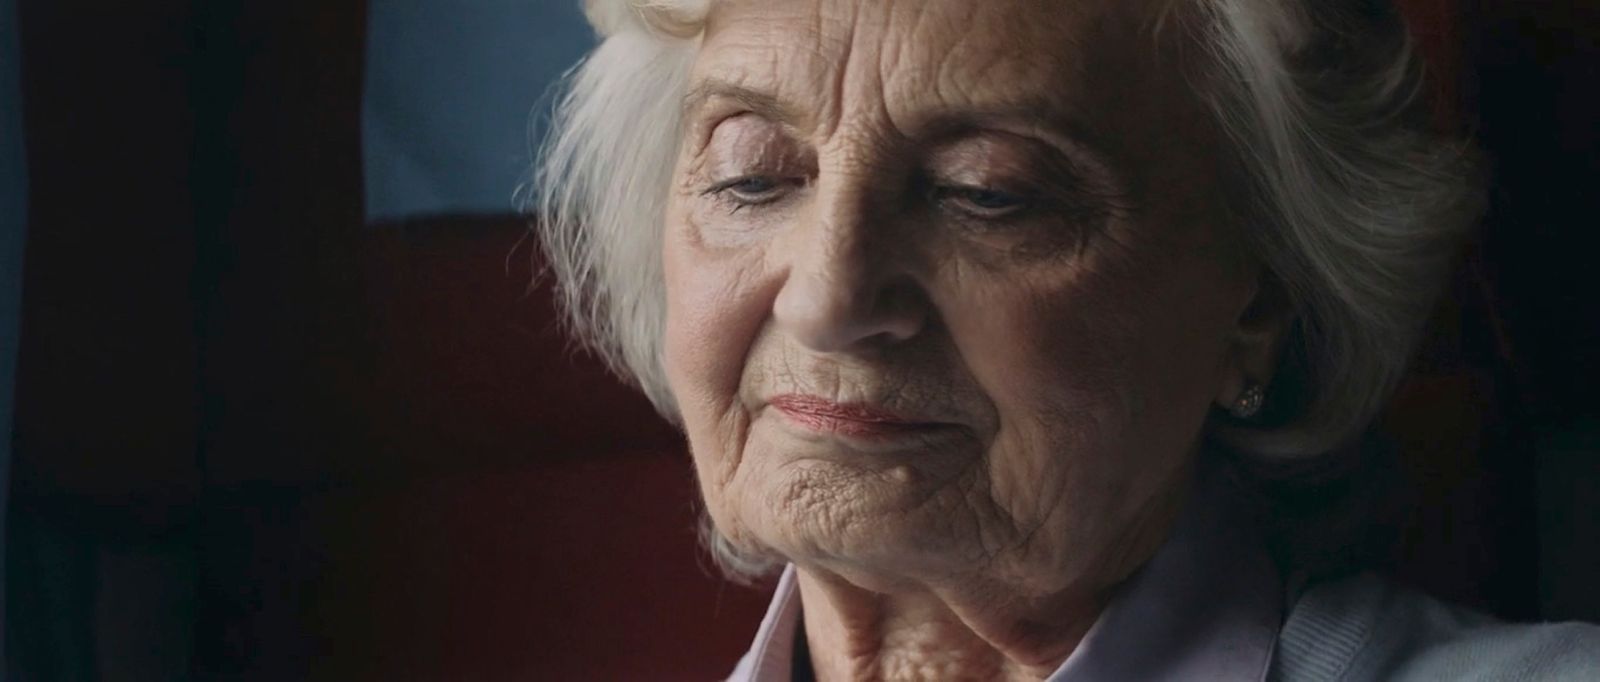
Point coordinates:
[(742, 151), (1047, 175)]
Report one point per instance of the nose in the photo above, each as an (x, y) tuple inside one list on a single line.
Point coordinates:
[(849, 287)]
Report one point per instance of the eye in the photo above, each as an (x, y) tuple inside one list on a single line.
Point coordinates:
[(752, 190), (981, 202)]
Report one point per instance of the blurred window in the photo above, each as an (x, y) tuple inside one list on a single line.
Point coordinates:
[(451, 91)]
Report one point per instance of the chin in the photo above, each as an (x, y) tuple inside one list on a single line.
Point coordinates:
[(860, 521)]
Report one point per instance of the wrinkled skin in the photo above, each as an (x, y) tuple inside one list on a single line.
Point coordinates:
[(998, 218)]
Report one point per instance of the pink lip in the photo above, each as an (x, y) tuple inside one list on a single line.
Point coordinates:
[(847, 419)]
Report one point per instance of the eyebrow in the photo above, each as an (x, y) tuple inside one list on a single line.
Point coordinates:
[(764, 104)]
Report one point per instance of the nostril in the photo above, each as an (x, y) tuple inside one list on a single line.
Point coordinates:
[(827, 317), (899, 314)]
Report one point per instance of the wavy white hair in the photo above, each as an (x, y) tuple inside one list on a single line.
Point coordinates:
[(1344, 194)]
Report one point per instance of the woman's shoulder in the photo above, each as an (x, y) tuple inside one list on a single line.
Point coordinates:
[(1368, 628)]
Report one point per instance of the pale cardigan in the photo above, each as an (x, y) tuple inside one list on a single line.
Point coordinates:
[(1367, 628)]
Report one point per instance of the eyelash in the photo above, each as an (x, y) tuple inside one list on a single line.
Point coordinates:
[(970, 198), (727, 192), (967, 200)]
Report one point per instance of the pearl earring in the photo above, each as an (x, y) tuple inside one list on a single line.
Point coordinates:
[(1248, 404)]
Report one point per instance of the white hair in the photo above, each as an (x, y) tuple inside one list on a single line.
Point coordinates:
[(1354, 206)]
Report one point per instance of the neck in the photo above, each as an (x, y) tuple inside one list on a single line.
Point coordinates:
[(974, 626), (863, 625), (855, 634)]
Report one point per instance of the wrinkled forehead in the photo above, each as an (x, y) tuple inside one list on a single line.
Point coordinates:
[(1089, 63)]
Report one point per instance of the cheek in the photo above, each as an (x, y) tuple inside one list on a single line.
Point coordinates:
[(1055, 364), (1046, 350), (1096, 388), (715, 308)]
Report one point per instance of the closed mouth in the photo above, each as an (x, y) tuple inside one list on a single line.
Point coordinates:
[(848, 419)]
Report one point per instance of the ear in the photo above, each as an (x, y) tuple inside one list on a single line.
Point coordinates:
[(1257, 339)]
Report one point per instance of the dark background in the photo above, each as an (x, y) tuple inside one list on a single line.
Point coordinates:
[(258, 435)]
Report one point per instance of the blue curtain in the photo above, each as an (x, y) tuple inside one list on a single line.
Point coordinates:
[(13, 224), (451, 86)]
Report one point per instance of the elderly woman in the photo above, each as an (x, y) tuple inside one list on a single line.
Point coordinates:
[(969, 309)]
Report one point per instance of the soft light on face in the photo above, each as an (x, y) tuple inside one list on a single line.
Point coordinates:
[(947, 288)]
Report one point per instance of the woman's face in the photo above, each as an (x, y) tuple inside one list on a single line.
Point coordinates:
[(947, 288)]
